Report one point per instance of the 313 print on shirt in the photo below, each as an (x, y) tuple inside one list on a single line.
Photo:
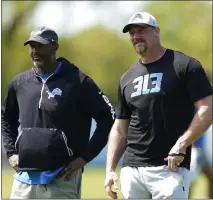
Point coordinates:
[(141, 84)]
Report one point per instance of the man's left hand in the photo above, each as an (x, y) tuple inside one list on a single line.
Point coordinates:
[(72, 166), (175, 156)]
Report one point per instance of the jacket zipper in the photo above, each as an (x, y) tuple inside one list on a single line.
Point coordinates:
[(44, 82), (65, 141)]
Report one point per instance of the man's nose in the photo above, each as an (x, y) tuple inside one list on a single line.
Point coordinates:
[(137, 36), (34, 49)]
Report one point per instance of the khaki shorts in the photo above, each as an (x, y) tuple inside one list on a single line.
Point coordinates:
[(154, 183), (60, 188)]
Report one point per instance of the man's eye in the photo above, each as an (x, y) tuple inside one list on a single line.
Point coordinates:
[(141, 31), (40, 45)]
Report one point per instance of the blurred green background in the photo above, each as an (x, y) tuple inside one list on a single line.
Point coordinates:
[(100, 49)]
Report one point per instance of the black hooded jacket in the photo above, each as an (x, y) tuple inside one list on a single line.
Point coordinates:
[(48, 123)]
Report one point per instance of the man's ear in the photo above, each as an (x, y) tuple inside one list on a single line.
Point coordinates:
[(157, 31), (56, 47)]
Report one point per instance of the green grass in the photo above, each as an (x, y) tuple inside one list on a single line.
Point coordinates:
[(93, 184)]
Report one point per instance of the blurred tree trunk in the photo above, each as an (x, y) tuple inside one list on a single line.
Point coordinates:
[(12, 29)]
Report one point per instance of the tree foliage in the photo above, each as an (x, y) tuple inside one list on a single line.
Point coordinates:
[(101, 54), (186, 26), (104, 54), (13, 32)]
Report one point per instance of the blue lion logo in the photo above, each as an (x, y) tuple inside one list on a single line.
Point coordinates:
[(52, 94)]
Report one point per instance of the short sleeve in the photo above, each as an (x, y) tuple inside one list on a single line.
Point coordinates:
[(122, 110), (197, 82)]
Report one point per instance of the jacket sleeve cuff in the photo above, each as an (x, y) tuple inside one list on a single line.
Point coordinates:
[(86, 156)]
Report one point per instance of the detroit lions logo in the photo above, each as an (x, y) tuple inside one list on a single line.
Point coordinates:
[(52, 94), (137, 18)]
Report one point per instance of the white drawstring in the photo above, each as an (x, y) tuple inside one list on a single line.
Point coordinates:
[(65, 140), (44, 81), (41, 95)]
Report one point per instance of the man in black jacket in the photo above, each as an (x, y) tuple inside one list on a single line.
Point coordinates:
[(46, 120)]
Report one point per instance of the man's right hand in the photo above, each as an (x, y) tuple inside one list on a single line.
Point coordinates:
[(111, 179), (13, 160)]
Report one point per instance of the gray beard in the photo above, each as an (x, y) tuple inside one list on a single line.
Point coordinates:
[(140, 49), (37, 63)]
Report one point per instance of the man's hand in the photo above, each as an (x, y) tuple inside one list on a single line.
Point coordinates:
[(72, 166), (13, 160), (175, 156), (111, 179)]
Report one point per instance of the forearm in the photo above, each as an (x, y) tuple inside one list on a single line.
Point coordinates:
[(10, 122), (9, 144), (200, 123), (9, 136), (99, 139), (116, 148)]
